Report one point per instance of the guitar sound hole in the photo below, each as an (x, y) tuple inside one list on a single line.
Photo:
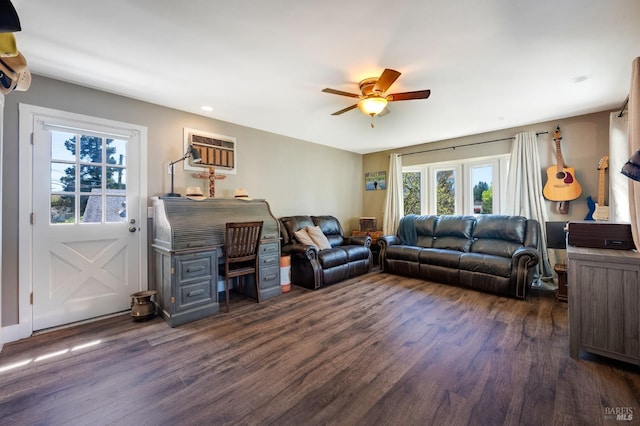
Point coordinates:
[(560, 175)]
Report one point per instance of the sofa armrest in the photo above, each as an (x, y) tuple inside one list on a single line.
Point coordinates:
[(301, 250), (358, 240), (528, 254), (384, 242), (523, 263), (388, 240), (305, 265)]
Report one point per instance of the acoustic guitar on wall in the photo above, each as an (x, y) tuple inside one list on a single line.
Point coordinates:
[(561, 182), (598, 211)]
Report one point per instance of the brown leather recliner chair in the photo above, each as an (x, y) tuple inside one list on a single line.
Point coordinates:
[(313, 268)]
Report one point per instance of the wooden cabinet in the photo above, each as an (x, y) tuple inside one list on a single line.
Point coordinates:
[(188, 284), (604, 302)]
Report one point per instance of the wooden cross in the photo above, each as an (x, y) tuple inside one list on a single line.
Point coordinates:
[(212, 177)]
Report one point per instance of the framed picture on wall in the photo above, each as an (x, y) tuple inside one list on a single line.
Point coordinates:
[(374, 181), (217, 151)]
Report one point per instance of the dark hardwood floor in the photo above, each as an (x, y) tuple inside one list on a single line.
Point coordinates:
[(376, 350)]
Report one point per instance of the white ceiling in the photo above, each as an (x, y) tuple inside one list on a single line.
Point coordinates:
[(490, 65)]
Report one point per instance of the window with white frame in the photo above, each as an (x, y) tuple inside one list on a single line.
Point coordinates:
[(466, 187)]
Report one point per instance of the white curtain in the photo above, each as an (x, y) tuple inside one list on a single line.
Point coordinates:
[(394, 202), (618, 155), (524, 191), (634, 145)]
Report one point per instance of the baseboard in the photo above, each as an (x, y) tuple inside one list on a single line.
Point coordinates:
[(11, 333)]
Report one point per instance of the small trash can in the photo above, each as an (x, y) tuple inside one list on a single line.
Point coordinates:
[(285, 273)]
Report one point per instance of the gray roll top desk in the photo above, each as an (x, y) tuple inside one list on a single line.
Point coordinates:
[(188, 244)]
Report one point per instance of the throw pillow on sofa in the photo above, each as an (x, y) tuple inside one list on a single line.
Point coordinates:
[(318, 237), (303, 237)]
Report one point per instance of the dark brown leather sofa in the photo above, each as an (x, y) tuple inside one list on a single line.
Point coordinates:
[(491, 253), (313, 268)]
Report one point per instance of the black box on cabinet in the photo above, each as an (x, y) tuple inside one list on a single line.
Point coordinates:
[(607, 235)]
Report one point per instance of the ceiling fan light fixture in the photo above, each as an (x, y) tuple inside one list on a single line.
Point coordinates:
[(373, 105)]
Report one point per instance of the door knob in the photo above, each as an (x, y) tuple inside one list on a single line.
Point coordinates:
[(132, 229)]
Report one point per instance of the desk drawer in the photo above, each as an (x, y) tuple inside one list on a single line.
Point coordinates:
[(270, 276), (270, 260), (194, 266), (194, 294), (267, 249)]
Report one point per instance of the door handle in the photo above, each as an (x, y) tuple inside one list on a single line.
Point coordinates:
[(132, 229)]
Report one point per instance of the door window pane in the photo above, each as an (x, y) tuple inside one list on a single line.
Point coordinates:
[(63, 177), (117, 152), (90, 149), (63, 209), (412, 192), (63, 146), (91, 208), (445, 192), (90, 178), (116, 206), (116, 178)]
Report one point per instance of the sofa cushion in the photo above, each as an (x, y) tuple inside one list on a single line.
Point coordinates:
[(425, 227), (315, 233), (303, 237), (438, 257), (332, 257), (505, 228), (485, 263), (454, 232), (400, 252), (499, 235), (331, 228), (495, 247), (356, 252), (290, 224)]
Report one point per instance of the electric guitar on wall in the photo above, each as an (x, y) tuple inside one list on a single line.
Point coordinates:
[(561, 182), (600, 211)]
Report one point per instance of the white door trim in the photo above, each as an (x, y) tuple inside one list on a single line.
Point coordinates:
[(27, 116)]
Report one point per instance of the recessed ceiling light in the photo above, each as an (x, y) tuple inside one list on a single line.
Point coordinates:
[(206, 108)]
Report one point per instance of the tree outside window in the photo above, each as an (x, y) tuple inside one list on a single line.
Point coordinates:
[(411, 184), (445, 192)]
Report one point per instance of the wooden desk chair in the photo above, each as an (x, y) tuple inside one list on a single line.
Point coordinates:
[(241, 253)]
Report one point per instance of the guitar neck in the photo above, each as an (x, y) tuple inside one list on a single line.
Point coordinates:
[(601, 178), (559, 160)]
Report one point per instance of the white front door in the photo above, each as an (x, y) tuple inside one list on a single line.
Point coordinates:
[(86, 223)]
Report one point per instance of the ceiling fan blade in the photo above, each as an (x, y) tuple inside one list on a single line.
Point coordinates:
[(340, 92), (407, 96), (386, 79), (349, 108)]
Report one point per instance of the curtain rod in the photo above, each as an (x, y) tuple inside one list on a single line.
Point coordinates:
[(624, 106), (469, 144)]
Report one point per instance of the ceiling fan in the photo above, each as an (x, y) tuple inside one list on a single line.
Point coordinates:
[(373, 99)]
